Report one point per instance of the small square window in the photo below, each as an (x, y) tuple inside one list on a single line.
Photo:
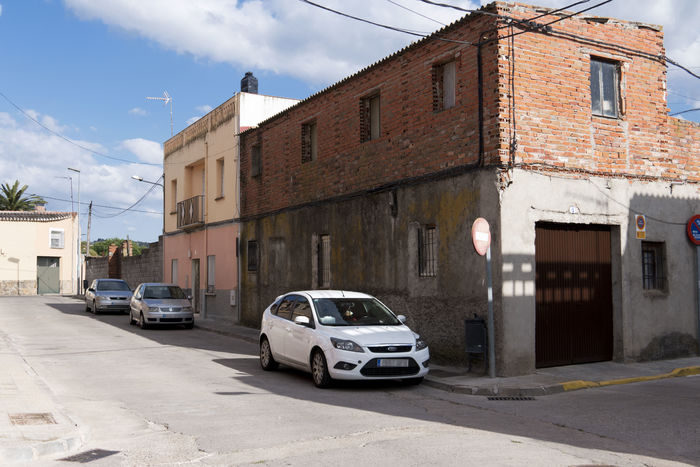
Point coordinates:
[(444, 86), (653, 267), (56, 238), (256, 161), (605, 88), (252, 255), (309, 145), (369, 118), (427, 251)]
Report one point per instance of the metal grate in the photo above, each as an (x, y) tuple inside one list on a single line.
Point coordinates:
[(511, 398), (427, 251)]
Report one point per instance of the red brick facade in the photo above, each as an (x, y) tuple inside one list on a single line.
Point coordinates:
[(553, 124)]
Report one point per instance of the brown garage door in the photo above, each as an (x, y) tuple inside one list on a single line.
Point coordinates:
[(573, 294)]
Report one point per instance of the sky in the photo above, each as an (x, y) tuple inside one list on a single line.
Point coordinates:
[(75, 75)]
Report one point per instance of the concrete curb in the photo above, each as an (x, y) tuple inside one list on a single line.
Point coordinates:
[(246, 338), (556, 388), (44, 450)]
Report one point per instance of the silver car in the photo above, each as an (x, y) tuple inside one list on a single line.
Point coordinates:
[(107, 295), (155, 303)]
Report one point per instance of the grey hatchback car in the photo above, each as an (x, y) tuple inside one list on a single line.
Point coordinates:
[(156, 303), (107, 295)]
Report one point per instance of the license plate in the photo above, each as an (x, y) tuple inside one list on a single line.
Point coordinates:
[(394, 362), (164, 316)]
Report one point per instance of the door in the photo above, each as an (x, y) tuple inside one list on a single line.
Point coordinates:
[(573, 294), (195, 286), (48, 273), (298, 343)]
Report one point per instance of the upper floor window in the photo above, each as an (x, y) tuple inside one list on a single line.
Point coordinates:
[(444, 86), (653, 277), (173, 195), (309, 145), (256, 161), (369, 118), (220, 177), (605, 88), (252, 255), (56, 238)]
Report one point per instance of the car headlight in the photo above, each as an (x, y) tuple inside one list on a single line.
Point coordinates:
[(153, 309), (420, 343), (187, 309), (346, 345)]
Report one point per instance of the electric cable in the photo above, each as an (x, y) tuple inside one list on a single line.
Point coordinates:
[(684, 111), (415, 12), (83, 203)]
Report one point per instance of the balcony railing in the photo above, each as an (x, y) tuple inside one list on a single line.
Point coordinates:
[(190, 212)]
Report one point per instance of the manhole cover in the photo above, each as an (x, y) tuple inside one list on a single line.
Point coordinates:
[(32, 419), (89, 456), (511, 398)]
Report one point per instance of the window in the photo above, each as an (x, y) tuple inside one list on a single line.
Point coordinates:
[(369, 118), (173, 196), (302, 308), (324, 261), (284, 310), (653, 277), (56, 238), (605, 88), (211, 274), (308, 142), (427, 251), (255, 156), (252, 255), (220, 177), (444, 86), (173, 271)]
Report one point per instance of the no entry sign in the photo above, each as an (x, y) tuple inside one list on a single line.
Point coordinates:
[(481, 235)]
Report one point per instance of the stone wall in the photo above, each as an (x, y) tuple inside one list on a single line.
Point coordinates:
[(146, 267)]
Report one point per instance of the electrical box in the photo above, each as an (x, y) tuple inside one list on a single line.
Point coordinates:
[(233, 298)]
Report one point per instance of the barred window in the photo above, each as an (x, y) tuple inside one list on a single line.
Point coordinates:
[(252, 255), (444, 86), (369, 118), (653, 270), (324, 261), (427, 251), (309, 145)]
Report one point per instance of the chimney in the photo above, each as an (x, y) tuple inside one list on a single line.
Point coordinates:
[(249, 83)]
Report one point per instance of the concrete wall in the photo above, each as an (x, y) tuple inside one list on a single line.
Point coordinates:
[(146, 267), (375, 250)]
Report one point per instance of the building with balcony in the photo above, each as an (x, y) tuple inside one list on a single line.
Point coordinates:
[(201, 196)]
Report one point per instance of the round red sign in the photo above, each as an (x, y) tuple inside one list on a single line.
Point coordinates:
[(694, 229), (481, 235)]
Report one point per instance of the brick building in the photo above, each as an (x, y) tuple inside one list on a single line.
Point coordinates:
[(559, 136)]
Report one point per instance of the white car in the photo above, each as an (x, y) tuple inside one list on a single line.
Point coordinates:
[(340, 335)]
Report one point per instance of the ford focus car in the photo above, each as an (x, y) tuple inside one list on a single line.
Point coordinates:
[(340, 335), (156, 304), (107, 295)]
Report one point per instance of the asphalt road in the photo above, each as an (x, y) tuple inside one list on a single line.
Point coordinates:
[(175, 396)]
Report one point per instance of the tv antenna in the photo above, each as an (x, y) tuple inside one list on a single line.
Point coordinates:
[(166, 99)]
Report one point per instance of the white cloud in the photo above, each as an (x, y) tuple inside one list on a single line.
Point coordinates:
[(138, 111), (205, 109), (0, 9), (191, 120), (145, 150)]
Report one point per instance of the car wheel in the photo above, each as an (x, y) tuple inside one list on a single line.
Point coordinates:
[(142, 322), (87, 306), (319, 370), (132, 321), (94, 307), (267, 361), (413, 381)]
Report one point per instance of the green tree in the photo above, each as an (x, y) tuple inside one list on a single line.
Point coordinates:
[(101, 246), (12, 198)]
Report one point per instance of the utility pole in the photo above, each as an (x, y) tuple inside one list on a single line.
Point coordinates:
[(87, 245)]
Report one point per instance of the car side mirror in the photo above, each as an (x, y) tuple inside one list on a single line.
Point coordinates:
[(91, 289), (402, 318), (189, 297), (302, 321)]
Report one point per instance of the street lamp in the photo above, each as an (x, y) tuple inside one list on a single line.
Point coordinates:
[(80, 265), (140, 179)]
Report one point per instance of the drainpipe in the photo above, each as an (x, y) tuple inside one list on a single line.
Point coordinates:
[(480, 86)]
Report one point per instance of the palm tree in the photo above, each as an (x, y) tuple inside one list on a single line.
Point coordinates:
[(11, 198)]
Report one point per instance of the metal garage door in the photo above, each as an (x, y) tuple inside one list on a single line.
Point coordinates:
[(573, 294), (48, 274)]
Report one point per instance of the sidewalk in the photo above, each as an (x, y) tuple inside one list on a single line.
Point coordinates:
[(543, 382), (33, 424)]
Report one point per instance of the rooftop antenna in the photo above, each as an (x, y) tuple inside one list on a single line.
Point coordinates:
[(166, 99)]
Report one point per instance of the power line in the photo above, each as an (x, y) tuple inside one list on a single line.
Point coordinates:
[(684, 111), (415, 12), (101, 205), (97, 153)]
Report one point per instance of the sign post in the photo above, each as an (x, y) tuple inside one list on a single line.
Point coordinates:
[(481, 238), (694, 236)]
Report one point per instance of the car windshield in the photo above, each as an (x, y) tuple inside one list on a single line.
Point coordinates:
[(353, 312), (113, 285), (163, 291)]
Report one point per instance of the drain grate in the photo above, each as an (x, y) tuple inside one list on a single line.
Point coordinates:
[(89, 456), (32, 419), (511, 398)]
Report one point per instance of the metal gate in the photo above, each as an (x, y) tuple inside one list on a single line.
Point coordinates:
[(48, 276), (573, 294)]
